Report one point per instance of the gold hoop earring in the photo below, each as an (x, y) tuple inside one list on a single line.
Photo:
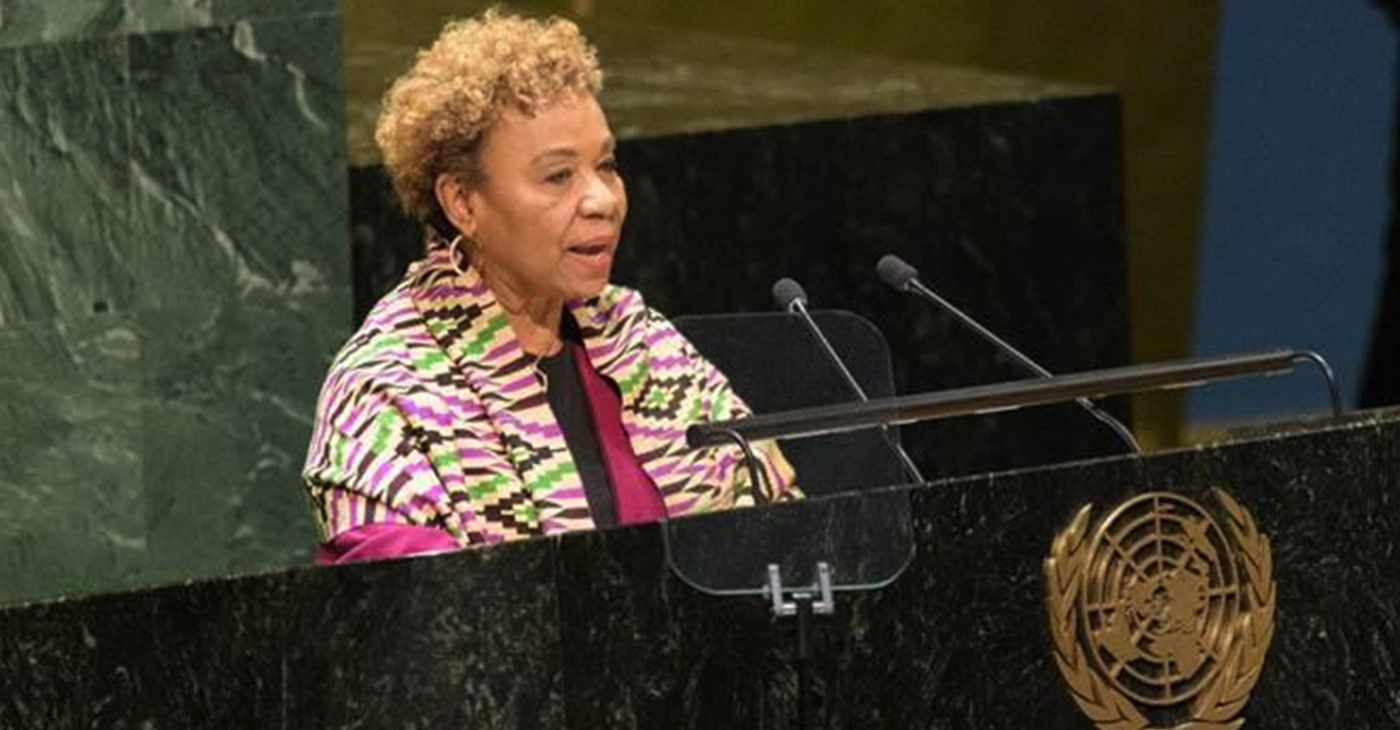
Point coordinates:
[(457, 253)]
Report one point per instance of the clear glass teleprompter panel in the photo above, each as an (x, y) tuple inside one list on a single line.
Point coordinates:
[(850, 519), (865, 538)]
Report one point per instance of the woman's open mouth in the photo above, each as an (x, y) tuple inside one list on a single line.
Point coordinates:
[(595, 252), (590, 249)]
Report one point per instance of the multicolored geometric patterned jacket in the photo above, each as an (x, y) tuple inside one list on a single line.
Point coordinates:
[(432, 415)]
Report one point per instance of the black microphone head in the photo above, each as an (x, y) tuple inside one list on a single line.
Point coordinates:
[(787, 292), (894, 271)]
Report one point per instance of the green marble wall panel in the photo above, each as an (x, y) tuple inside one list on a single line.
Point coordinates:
[(226, 418), (240, 208), (240, 213), (24, 22), (173, 285), (72, 517), (237, 132), (64, 134)]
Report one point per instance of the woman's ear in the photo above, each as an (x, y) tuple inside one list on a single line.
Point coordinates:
[(456, 203)]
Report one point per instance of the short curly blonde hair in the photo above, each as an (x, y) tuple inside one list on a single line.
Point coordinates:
[(436, 116)]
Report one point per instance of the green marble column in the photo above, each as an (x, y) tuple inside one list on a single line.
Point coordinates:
[(173, 284)]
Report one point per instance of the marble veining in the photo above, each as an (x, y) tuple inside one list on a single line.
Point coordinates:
[(156, 15), (63, 215), (71, 416), (257, 213), (170, 297)]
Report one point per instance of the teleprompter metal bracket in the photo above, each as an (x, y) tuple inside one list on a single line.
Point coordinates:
[(823, 605)]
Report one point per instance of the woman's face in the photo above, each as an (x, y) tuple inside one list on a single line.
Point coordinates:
[(549, 211)]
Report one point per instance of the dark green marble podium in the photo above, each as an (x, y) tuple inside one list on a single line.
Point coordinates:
[(595, 630)]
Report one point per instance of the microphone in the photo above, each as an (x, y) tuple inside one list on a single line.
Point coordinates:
[(789, 295), (905, 278), (791, 298)]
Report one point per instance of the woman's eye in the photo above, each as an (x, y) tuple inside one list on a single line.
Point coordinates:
[(608, 165), (559, 177)]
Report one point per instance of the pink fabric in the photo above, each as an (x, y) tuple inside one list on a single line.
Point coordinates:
[(635, 496), (379, 541)]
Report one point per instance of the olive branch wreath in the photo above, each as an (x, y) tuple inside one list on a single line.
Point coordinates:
[(1217, 707)]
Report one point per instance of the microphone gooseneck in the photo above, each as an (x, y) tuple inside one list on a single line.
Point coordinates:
[(790, 297), (903, 277)]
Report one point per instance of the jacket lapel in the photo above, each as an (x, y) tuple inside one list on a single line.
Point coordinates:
[(661, 391), (538, 488)]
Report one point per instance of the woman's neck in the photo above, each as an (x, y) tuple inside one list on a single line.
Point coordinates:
[(535, 320), (537, 329)]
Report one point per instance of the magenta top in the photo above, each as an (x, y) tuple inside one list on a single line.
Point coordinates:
[(635, 496)]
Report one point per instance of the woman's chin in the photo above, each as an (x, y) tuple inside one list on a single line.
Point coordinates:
[(592, 289), (587, 287)]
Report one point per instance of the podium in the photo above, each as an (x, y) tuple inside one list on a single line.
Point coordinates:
[(596, 630)]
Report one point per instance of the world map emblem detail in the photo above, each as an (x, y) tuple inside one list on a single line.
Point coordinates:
[(1162, 612)]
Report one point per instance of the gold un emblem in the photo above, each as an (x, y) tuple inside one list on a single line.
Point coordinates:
[(1161, 617)]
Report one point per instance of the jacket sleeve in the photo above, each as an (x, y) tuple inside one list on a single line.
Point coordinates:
[(779, 477), (714, 399), (365, 468), (381, 541)]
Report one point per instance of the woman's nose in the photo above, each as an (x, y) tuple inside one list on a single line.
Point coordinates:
[(599, 199)]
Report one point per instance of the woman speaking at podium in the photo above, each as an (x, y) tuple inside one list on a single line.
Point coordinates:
[(505, 389)]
